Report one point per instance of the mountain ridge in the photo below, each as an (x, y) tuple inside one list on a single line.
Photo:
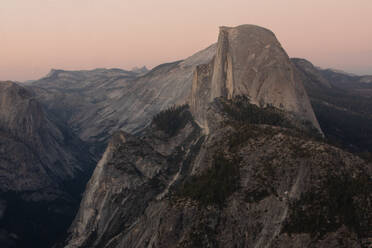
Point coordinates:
[(42, 163), (225, 172), (107, 103), (217, 149)]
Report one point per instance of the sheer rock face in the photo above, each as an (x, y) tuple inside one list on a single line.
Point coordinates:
[(114, 188), (132, 174), (158, 190), (250, 61)]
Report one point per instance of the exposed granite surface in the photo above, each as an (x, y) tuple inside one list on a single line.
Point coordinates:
[(226, 180)]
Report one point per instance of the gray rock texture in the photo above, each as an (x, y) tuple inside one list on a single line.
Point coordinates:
[(99, 102), (34, 149), (250, 61), (214, 176), (162, 185), (154, 166), (137, 198), (41, 163)]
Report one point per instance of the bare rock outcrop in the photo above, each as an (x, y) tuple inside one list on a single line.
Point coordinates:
[(242, 185), (250, 61), (133, 172), (231, 170)]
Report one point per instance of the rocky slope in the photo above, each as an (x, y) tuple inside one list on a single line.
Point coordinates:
[(234, 170), (242, 185), (41, 164), (99, 102)]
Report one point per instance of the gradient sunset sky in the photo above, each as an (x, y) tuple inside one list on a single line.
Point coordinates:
[(37, 35)]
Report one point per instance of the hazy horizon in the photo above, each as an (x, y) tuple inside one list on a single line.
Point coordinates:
[(38, 35)]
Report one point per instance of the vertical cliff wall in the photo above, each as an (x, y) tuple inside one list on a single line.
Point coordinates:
[(250, 61)]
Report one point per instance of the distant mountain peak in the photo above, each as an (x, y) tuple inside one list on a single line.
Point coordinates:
[(140, 70), (342, 72), (53, 72)]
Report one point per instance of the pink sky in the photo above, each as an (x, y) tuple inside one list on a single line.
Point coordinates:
[(37, 35)]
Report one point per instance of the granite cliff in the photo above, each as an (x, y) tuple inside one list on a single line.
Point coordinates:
[(235, 169), (97, 103), (243, 185), (250, 61), (52, 130), (240, 165)]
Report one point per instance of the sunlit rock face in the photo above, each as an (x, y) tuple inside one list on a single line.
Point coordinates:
[(211, 175), (250, 61)]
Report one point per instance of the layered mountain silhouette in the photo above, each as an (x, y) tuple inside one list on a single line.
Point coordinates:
[(235, 146), (43, 170), (99, 102), (243, 165), (342, 105)]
